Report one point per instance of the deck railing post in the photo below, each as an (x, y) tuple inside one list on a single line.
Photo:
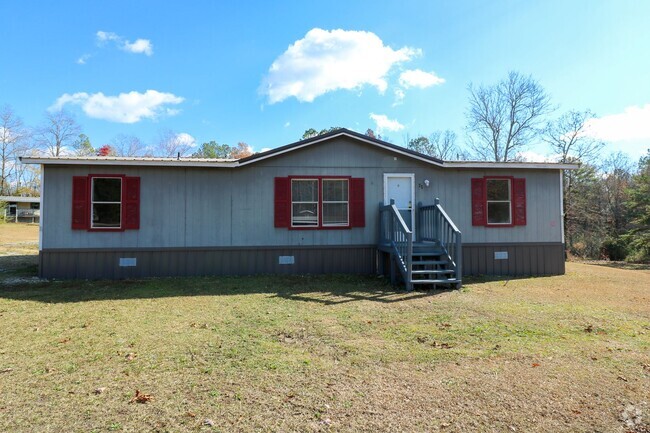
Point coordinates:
[(409, 262), (392, 223), (381, 224), (459, 258), (436, 221), (419, 220)]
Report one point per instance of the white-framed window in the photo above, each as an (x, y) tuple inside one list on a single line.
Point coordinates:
[(304, 202), (499, 201), (106, 203), (336, 206)]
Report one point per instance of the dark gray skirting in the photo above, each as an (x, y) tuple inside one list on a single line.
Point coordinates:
[(171, 262), (478, 259)]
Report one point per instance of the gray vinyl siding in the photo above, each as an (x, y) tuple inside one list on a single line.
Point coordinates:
[(216, 207)]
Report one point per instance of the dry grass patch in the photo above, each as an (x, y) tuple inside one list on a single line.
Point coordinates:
[(18, 251), (331, 353)]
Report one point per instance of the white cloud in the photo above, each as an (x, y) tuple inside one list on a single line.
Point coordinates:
[(107, 36), (385, 124), (532, 156), (124, 108), (140, 46), (325, 61), (632, 124), (399, 97), (185, 139), (82, 60), (419, 78), (287, 124)]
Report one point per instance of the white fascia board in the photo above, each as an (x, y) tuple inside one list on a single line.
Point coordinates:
[(510, 165), (291, 149), (129, 162)]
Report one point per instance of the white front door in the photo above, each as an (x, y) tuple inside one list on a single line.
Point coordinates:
[(401, 188)]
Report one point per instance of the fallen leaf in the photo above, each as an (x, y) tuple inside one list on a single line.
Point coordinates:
[(131, 356), (589, 328), (100, 390), (65, 340), (576, 412), (191, 414), (535, 364), (141, 397)]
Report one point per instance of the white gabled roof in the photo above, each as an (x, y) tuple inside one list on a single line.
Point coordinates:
[(128, 160), (18, 199), (514, 164), (234, 163)]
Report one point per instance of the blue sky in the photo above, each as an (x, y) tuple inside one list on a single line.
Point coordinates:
[(204, 68)]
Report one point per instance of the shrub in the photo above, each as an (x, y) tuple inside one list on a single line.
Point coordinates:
[(615, 249)]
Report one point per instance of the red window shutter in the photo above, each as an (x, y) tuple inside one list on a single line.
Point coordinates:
[(357, 202), (131, 203), (80, 203), (519, 201), (282, 202), (479, 211)]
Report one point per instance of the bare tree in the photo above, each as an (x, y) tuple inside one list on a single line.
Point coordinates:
[(13, 143), (439, 144), (128, 145), (171, 144), (567, 137), (504, 118), (28, 176), (58, 132), (241, 151), (617, 169)]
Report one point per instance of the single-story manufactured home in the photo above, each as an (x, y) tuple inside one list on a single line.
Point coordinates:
[(341, 202), (21, 209)]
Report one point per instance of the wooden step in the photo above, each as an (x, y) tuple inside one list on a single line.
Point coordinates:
[(429, 254), (430, 248), (430, 262), (432, 271), (437, 281)]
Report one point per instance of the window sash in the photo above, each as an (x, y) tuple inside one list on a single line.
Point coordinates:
[(93, 202), (508, 201), (345, 193), (309, 220)]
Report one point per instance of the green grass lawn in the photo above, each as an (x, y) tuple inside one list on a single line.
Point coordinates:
[(326, 353)]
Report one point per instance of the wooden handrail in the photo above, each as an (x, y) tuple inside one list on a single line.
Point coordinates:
[(434, 225), (394, 232)]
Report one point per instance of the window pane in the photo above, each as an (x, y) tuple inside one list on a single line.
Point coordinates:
[(498, 189), (335, 190), (304, 190), (498, 213), (305, 214), (335, 214), (107, 189), (106, 215)]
